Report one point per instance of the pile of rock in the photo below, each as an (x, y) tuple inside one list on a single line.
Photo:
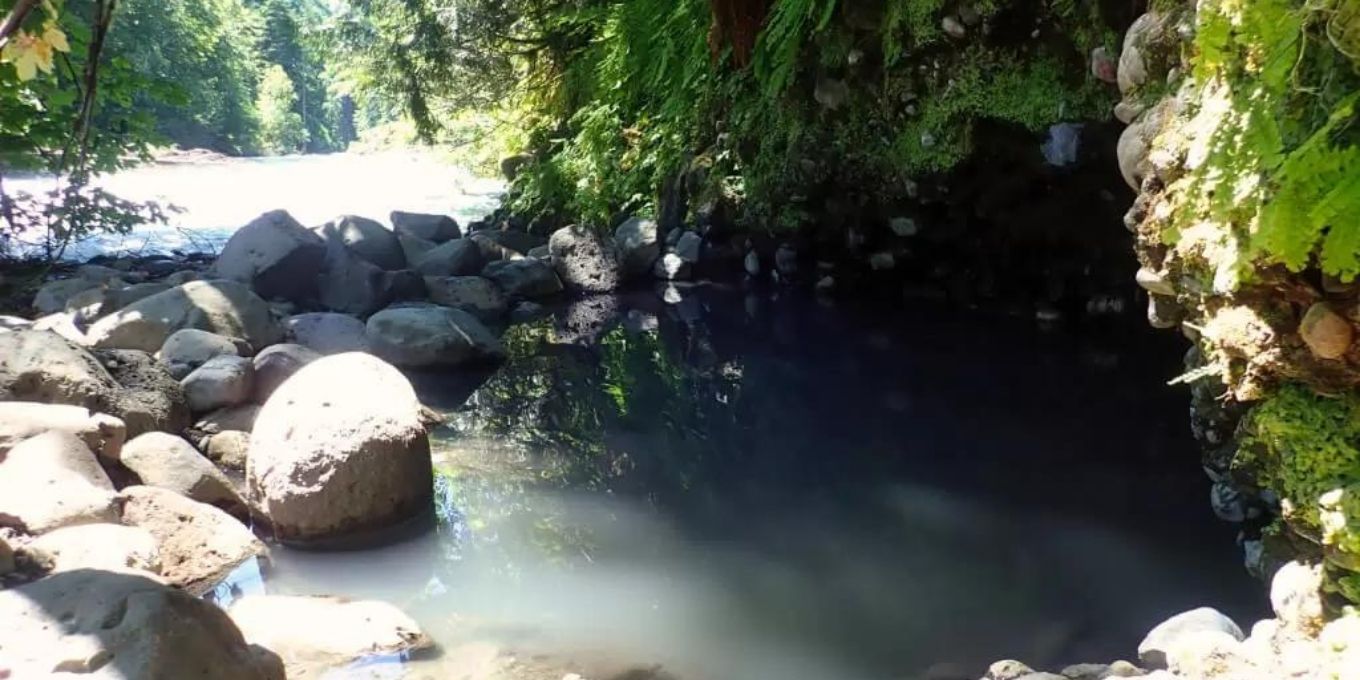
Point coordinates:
[(1203, 644)]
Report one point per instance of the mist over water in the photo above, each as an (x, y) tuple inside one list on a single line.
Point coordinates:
[(777, 489)]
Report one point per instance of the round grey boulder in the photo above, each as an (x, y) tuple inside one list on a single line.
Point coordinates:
[(222, 381)]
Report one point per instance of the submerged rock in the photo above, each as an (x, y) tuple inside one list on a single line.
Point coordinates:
[(340, 448), (318, 634), (107, 625)]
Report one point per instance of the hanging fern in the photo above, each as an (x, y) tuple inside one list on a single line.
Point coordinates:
[(781, 43)]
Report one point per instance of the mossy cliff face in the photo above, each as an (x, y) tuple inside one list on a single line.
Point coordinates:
[(1244, 143)]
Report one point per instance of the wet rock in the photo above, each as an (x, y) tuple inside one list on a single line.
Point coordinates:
[(199, 544), (524, 278), (222, 381), (186, 350), (368, 239), (226, 308), (168, 462), (101, 433), (1296, 597), (53, 297), (472, 294), (430, 336), (101, 624), (317, 634), (341, 448), (274, 255), (229, 449), (1154, 648), (110, 547), (52, 481), (1327, 334), (638, 246), (327, 333), (276, 365), (584, 261), (436, 228), (459, 257)]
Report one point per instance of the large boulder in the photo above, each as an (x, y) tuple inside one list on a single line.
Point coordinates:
[(226, 308), (437, 228), (368, 239), (275, 256), (472, 294), (638, 246), (459, 257), (583, 260), (101, 433), (199, 544), (506, 244), (430, 336), (338, 449), (276, 365), (187, 349), (314, 635), (168, 462), (111, 547), (1155, 649), (526, 278), (327, 333), (221, 382), (151, 399), (353, 285), (119, 297), (52, 481), (414, 248), (104, 625), (43, 366)]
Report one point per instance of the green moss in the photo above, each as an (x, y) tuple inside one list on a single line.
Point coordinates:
[(1307, 448)]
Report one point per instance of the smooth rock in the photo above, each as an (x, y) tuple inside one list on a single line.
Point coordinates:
[(415, 249), (436, 228), (226, 308), (430, 336), (584, 261), (327, 333), (690, 247), (1152, 651), (118, 626), (472, 294), (274, 255), (168, 462), (199, 544), (222, 381), (20, 420), (340, 448), (187, 349), (240, 418), (54, 296), (276, 365), (370, 240), (1327, 334), (110, 547), (229, 449), (350, 284), (637, 244), (1296, 594), (460, 257), (525, 278), (52, 481), (314, 635)]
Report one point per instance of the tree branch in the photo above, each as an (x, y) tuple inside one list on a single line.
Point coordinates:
[(16, 18)]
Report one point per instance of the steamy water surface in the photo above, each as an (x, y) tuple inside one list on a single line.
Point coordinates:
[(749, 485), (743, 487)]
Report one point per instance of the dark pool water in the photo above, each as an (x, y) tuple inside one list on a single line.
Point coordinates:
[(755, 486)]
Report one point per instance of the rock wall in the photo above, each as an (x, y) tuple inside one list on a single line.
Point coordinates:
[(1243, 145)]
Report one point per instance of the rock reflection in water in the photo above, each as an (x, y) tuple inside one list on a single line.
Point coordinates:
[(800, 492)]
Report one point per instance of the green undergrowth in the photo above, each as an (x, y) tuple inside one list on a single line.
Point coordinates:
[(1306, 447), (836, 100)]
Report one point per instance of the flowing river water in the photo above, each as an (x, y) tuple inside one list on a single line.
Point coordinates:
[(746, 484)]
